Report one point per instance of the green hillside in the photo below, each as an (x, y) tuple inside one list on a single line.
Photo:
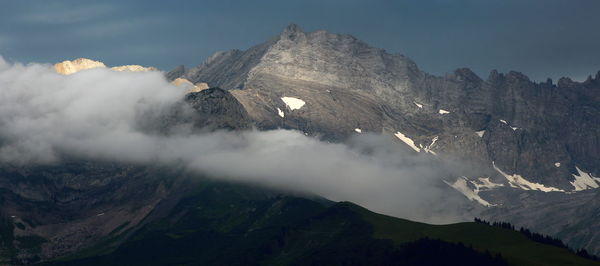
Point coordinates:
[(513, 246), (224, 224)]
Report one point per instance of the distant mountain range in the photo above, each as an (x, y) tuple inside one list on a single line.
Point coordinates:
[(532, 152)]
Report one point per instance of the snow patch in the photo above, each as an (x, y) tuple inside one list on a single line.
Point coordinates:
[(280, 113), (407, 140), (584, 180), (434, 140), (557, 164), (480, 133), (418, 105), (462, 185), (293, 103), (358, 130), (443, 112), (517, 181), (484, 183), (506, 123), (428, 148)]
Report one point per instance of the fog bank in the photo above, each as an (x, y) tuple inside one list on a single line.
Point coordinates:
[(94, 114)]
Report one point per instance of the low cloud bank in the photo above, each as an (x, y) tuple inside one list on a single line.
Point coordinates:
[(94, 114)]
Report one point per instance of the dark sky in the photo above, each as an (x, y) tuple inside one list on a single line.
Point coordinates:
[(542, 38)]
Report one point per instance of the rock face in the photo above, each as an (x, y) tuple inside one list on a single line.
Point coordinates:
[(536, 141), (228, 69), (49, 211), (213, 109)]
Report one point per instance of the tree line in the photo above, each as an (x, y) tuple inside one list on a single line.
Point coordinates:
[(540, 238)]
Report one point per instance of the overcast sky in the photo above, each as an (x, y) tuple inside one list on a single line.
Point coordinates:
[(542, 38)]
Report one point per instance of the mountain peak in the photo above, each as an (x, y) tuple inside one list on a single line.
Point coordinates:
[(292, 28), (291, 32), (466, 74)]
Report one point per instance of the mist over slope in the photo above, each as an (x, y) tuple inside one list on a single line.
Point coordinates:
[(98, 114)]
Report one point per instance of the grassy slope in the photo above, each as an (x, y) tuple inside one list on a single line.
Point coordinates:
[(231, 224), (515, 247)]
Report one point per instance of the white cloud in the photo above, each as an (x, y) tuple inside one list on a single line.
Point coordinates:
[(94, 114)]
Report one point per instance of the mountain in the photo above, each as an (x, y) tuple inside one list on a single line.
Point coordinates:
[(528, 154), (504, 122), (526, 143)]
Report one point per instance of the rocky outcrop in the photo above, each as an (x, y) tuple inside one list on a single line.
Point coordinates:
[(215, 108), (203, 111)]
